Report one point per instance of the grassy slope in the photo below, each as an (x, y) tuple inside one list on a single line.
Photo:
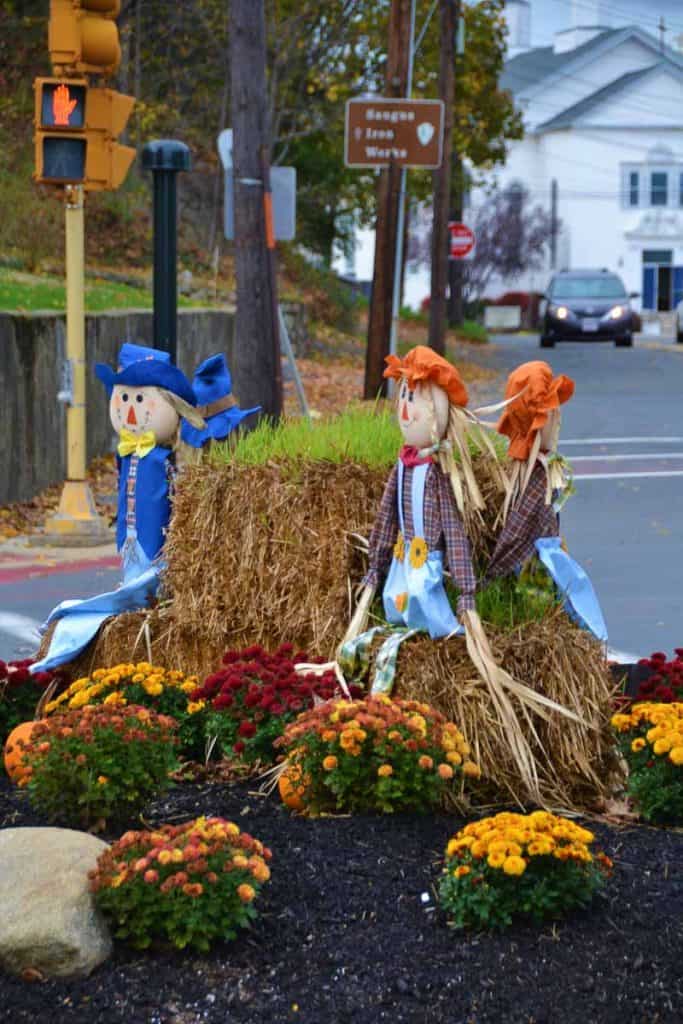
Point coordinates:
[(21, 292)]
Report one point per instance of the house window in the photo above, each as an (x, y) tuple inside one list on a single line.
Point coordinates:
[(634, 188), (658, 188)]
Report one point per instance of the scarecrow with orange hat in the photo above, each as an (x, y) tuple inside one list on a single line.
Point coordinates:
[(538, 482), (420, 527)]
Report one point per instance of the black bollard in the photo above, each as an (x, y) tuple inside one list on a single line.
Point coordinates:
[(165, 158)]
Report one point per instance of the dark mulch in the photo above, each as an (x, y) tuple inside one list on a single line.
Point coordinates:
[(345, 935)]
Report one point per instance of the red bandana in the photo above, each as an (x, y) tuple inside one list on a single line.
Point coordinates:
[(410, 456)]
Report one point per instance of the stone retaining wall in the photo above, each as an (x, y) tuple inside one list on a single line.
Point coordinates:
[(33, 422)]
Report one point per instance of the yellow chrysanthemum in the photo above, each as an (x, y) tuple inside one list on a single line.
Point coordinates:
[(418, 552), (676, 755), (514, 866), (194, 706), (496, 860), (637, 744), (461, 871)]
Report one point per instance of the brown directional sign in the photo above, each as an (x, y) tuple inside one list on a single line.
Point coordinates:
[(406, 132)]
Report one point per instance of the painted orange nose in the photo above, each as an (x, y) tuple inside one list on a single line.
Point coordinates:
[(132, 419), (404, 412)]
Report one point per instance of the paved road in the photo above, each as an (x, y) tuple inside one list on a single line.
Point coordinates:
[(27, 599), (623, 431)]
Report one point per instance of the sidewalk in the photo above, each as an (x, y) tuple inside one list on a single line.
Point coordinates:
[(20, 561)]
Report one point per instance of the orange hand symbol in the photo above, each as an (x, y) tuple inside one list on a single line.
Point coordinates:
[(62, 105)]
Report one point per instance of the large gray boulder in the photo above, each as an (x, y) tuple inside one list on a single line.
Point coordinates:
[(48, 919)]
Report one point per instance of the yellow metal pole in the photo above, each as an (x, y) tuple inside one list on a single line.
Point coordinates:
[(75, 332), (76, 521)]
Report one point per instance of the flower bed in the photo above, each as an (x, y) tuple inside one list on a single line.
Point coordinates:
[(650, 738), (537, 865), (165, 691), (665, 680), (96, 764), (189, 885), (20, 692), (254, 697), (375, 754)]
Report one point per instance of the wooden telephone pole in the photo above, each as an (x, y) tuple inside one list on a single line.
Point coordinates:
[(258, 368), (388, 199), (449, 11)]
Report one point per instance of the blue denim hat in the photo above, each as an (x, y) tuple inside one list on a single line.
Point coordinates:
[(140, 366), (212, 385)]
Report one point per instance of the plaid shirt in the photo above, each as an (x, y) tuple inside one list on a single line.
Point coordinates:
[(530, 519), (443, 531)]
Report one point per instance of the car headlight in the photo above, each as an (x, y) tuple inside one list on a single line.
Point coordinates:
[(561, 312), (616, 313)]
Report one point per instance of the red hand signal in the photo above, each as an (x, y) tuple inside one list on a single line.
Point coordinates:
[(62, 105)]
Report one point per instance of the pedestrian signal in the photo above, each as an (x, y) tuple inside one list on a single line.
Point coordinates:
[(83, 36)]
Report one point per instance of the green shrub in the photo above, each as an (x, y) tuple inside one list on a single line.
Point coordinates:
[(98, 764), (375, 754), (650, 738), (536, 865), (166, 691), (189, 885)]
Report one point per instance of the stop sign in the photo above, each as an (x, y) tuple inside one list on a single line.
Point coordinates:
[(461, 240)]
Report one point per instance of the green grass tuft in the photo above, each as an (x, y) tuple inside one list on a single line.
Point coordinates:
[(363, 435), (20, 292)]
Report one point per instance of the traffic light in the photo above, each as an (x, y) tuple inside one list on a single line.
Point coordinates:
[(76, 132), (83, 37)]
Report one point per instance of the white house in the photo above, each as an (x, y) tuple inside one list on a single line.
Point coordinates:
[(603, 115)]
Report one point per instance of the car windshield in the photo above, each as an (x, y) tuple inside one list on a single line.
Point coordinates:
[(603, 287)]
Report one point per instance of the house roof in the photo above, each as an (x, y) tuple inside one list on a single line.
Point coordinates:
[(531, 67), (525, 72), (568, 117)]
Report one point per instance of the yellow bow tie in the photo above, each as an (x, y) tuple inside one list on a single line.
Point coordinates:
[(138, 444)]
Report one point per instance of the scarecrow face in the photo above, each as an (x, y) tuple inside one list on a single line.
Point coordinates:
[(142, 409), (422, 413), (550, 432)]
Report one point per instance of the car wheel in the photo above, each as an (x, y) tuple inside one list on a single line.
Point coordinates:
[(547, 342), (679, 337), (626, 342)]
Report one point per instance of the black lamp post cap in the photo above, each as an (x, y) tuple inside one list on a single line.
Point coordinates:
[(166, 155)]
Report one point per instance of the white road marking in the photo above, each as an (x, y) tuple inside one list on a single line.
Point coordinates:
[(621, 440), (20, 626), (631, 456), (626, 476)]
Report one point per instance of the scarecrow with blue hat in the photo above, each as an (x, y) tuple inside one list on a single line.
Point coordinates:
[(148, 397), (212, 385)]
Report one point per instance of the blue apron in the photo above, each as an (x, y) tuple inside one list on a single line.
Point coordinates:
[(414, 594), (580, 600)]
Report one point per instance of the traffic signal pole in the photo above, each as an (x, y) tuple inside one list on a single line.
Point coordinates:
[(76, 521), (165, 158)]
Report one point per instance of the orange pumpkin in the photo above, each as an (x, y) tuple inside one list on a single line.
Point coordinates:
[(293, 786), (14, 765)]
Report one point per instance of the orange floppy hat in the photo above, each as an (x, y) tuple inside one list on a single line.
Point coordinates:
[(423, 365), (539, 392)]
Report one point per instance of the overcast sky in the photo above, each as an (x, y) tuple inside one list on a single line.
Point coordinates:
[(549, 16)]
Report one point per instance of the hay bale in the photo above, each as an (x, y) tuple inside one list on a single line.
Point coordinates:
[(264, 554), (576, 764)]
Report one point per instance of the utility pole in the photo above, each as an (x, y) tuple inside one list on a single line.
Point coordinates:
[(553, 224), (455, 267), (258, 368), (448, 23), (388, 205)]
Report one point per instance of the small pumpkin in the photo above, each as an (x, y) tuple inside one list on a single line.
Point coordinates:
[(13, 754), (293, 786)]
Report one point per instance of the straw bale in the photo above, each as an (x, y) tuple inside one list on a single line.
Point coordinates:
[(576, 764), (264, 554)]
